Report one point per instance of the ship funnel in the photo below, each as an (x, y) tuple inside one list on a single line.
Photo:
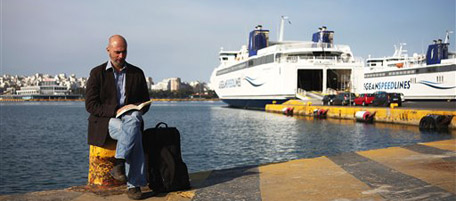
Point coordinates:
[(258, 39), (436, 52), (323, 36)]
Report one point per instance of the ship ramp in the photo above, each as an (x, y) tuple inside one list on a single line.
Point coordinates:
[(308, 95)]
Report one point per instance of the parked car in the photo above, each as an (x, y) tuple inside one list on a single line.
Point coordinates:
[(344, 98), (364, 99), (402, 98), (385, 99), (328, 99)]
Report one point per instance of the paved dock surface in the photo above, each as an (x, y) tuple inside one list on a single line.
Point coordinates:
[(425, 171)]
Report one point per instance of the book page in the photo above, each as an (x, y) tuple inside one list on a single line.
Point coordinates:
[(138, 107)]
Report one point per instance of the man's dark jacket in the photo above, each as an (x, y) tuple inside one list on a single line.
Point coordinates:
[(101, 98)]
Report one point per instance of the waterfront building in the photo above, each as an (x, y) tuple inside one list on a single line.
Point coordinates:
[(39, 86), (199, 87), (150, 82), (163, 85), (175, 83), (47, 87), (169, 84)]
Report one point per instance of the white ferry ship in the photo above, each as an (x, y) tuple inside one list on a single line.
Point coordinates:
[(275, 71), (419, 77)]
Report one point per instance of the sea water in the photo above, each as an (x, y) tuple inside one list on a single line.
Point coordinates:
[(44, 144)]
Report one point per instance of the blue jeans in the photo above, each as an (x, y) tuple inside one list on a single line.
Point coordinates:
[(127, 132)]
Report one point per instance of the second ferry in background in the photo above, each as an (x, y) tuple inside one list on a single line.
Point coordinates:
[(275, 71), (430, 76)]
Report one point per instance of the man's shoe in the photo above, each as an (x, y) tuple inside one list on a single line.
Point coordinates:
[(118, 173), (134, 193)]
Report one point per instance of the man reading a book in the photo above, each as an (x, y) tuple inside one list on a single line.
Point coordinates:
[(112, 87)]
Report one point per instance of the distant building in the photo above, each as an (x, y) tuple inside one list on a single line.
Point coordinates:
[(198, 87), (10, 90), (32, 90), (47, 87), (149, 82), (209, 86), (170, 84), (175, 84), (61, 86)]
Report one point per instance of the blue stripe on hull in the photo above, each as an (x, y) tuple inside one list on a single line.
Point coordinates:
[(257, 104)]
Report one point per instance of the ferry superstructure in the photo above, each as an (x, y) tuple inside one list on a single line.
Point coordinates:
[(419, 77), (274, 71)]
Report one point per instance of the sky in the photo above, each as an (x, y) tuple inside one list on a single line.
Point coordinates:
[(179, 38)]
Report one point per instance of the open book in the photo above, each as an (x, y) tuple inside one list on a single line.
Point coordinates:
[(137, 107)]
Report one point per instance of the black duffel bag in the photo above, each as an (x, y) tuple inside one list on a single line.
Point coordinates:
[(166, 171)]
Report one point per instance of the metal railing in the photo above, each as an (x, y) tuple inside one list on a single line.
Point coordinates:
[(301, 92), (319, 59)]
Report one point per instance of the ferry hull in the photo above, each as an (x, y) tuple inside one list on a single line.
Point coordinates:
[(256, 104), (436, 82)]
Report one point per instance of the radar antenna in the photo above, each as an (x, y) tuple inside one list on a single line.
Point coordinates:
[(447, 37)]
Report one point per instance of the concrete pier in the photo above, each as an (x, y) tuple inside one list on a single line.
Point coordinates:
[(396, 115), (424, 171)]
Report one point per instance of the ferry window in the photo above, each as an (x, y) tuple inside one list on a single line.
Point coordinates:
[(439, 79), (225, 58), (292, 59), (267, 59), (277, 57)]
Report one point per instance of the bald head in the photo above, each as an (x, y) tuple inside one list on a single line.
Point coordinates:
[(117, 39), (117, 51)]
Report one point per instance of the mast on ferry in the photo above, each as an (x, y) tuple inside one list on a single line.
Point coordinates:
[(282, 22)]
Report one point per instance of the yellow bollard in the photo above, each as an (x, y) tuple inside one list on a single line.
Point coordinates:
[(101, 162), (393, 105)]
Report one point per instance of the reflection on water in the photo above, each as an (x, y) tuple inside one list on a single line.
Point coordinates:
[(44, 145)]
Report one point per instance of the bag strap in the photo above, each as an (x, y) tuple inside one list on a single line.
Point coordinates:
[(161, 123)]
